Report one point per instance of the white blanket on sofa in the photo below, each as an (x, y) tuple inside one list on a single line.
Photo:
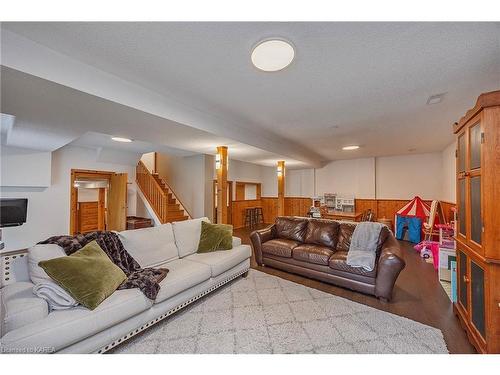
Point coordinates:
[(56, 297), (363, 249)]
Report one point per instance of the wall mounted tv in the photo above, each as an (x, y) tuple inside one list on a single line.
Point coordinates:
[(13, 211)]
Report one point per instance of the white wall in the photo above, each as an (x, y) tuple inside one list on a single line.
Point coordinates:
[(88, 195), (187, 178), (248, 172), (250, 192), (149, 160), (347, 177), (269, 182), (24, 167), (449, 174), (405, 176), (430, 175), (299, 183), (48, 208)]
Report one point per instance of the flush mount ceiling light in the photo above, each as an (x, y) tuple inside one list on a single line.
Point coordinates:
[(272, 55), (435, 99), (350, 148), (120, 139)]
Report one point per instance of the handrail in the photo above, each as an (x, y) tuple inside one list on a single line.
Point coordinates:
[(154, 192), (176, 198)]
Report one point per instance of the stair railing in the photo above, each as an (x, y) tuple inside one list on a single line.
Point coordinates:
[(176, 198), (154, 193), (152, 190)]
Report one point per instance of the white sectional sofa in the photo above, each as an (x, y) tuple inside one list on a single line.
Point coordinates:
[(28, 326)]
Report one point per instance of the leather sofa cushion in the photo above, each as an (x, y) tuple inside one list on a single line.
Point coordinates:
[(292, 228), (280, 247), (223, 260), (312, 253), (322, 232), (338, 261), (183, 274), (346, 229)]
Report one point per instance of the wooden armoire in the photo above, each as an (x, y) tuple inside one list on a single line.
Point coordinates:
[(478, 224)]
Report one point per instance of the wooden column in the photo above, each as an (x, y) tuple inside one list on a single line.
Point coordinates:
[(281, 187), (221, 165)]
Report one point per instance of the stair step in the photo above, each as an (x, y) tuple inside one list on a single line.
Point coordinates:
[(175, 218), (176, 213)]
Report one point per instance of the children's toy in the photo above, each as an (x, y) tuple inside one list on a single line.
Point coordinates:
[(429, 249), (446, 234), (436, 216), (408, 220)]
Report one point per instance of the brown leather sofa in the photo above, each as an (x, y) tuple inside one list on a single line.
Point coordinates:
[(318, 249)]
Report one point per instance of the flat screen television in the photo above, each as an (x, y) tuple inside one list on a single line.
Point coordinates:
[(13, 211)]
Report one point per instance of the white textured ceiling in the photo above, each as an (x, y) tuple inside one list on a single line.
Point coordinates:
[(351, 83), (48, 116)]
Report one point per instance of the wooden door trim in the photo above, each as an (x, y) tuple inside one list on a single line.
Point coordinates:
[(84, 174)]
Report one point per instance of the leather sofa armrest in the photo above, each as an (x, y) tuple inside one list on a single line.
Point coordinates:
[(258, 237), (390, 263)]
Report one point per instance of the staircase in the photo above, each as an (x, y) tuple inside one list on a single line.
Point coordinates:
[(160, 196)]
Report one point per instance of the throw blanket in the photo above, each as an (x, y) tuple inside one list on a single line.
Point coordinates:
[(363, 249), (146, 279), (57, 298)]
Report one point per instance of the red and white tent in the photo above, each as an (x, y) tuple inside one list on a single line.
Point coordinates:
[(415, 208), (409, 219)]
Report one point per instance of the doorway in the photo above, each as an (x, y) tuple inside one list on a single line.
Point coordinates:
[(98, 201), (246, 191), (229, 201)]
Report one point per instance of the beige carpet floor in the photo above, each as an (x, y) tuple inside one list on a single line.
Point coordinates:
[(267, 314)]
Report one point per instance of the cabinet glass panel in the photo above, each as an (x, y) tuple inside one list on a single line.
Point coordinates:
[(461, 206), (477, 297), (475, 209), (475, 146), (461, 282), (461, 153)]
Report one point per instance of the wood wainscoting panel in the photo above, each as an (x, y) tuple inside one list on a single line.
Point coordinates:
[(269, 208), (387, 208), (297, 206)]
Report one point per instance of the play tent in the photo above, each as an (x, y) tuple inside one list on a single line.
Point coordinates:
[(409, 219)]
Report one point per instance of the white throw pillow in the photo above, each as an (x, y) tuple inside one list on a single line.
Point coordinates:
[(150, 247), (187, 235), (38, 253)]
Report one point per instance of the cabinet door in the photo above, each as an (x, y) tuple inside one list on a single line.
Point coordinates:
[(462, 280), (476, 222), (461, 153), (462, 207), (477, 298), (475, 146)]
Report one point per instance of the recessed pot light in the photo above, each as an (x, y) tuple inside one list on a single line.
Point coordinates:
[(350, 148), (120, 139), (435, 99), (272, 55)]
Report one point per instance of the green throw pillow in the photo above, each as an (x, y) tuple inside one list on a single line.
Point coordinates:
[(215, 237), (88, 275)]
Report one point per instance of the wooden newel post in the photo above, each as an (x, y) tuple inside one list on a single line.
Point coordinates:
[(221, 166), (281, 188)]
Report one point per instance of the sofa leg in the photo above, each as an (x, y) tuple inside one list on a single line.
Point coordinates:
[(383, 299), (245, 274)]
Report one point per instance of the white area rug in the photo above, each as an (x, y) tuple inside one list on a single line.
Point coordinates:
[(267, 314)]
